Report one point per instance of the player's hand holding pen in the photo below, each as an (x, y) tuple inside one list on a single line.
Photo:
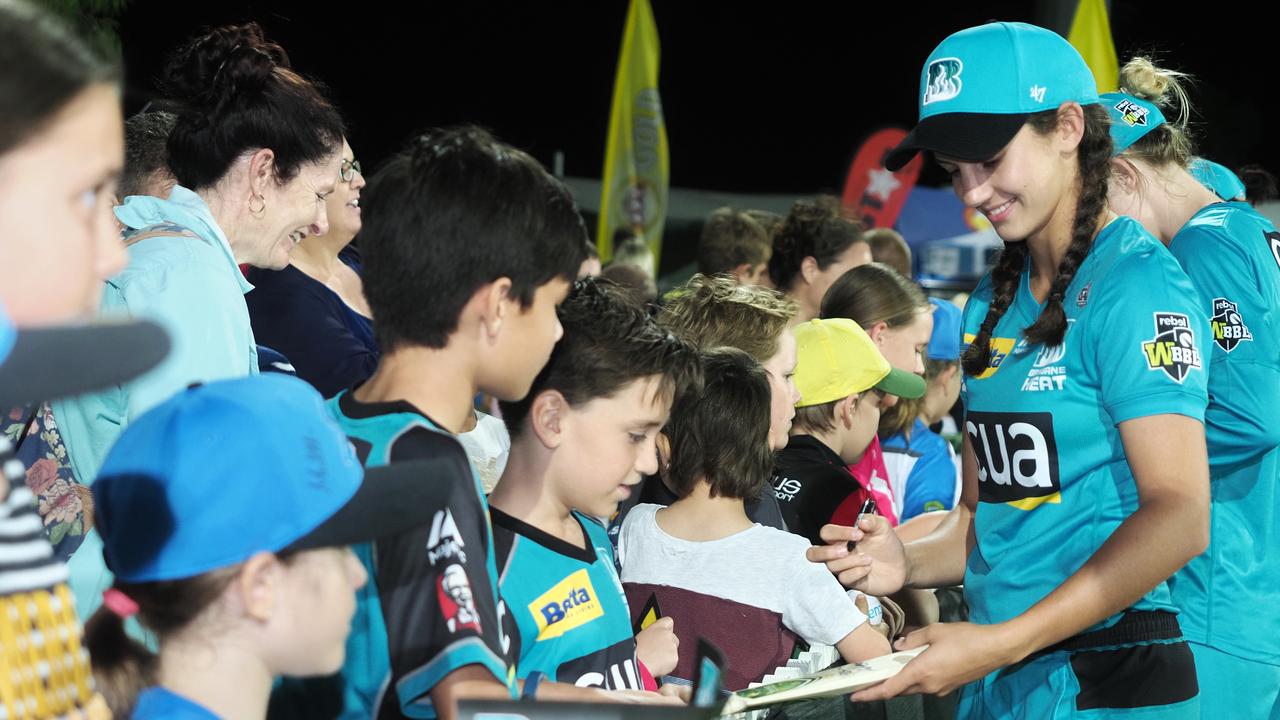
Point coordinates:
[(869, 557)]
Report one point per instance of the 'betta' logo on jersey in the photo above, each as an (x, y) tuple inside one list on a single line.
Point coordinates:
[(1173, 349), (1132, 114), (1017, 458), (1229, 329), (570, 604), (944, 80), (1000, 349)]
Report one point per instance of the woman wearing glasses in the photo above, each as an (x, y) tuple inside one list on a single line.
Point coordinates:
[(313, 311)]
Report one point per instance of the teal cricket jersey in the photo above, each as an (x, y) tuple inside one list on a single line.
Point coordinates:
[(568, 604), (431, 605), (1052, 476), (1232, 255)]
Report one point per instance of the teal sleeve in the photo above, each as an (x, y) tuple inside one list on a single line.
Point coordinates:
[(1149, 337), (1239, 286)]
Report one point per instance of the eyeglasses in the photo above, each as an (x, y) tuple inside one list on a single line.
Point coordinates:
[(348, 169)]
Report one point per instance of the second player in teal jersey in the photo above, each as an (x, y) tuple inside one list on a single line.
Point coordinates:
[(1085, 472), (580, 443), (1232, 254)]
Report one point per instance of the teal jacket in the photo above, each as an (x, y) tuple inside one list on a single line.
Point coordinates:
[(183, 276)]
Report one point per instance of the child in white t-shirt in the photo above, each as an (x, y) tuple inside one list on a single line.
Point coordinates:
[(702, 553)]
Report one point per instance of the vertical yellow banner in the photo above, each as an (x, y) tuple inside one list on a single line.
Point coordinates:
[(1091, 36), (634, 184)]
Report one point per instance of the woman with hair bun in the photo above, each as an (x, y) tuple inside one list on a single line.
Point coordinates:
[(1085, 474), (1232, 255), (255, 150)]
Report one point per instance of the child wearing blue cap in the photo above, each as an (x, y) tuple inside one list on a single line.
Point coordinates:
[(1232, 255), (225, 513), (1080, 497), (923, 470)]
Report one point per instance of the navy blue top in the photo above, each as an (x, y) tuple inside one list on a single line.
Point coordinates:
[(330, 345)]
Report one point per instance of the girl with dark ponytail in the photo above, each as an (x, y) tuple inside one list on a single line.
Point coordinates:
[(1085, 476), (1232, 255)]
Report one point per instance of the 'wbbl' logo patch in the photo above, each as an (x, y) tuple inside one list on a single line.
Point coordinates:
[(944, 80), (1228, 326), (1173, 349), (1132, 113)]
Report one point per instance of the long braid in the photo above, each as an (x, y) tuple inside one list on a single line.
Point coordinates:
[(1004, 279), (1094, 158)]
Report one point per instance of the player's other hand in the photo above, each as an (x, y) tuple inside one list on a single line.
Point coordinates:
[(958, 653), (877, 566), (658, 647)]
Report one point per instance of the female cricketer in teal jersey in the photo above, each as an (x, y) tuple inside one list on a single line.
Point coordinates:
[(1232, 254), (1085, 470)]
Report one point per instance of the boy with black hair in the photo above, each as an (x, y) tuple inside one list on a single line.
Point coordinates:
[(702, 560), (469, 245), (581, 440)]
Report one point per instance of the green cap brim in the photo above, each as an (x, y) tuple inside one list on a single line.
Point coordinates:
[(903, 384)]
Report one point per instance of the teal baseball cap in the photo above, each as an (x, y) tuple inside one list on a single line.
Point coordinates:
[(1218, 178), (222, 471), (1131, 119), (979, 86)]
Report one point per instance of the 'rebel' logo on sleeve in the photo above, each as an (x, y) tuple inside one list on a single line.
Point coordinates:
[(1173, 349), (1017, 457)]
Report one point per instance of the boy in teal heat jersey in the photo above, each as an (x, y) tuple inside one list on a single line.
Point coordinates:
[(1232, 255), (469, 245), (581, 441)]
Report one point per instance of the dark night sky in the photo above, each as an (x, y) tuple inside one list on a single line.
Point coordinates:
[(767, 98)]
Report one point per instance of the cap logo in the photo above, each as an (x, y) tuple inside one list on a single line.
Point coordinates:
[(1132, 114), (944, 80), (1037, 93)]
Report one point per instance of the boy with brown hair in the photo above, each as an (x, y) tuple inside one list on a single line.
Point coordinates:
[(734, 243)]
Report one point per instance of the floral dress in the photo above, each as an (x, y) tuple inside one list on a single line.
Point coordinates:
[(65, 505)]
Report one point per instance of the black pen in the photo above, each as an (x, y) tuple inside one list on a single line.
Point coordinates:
[(868, 508)]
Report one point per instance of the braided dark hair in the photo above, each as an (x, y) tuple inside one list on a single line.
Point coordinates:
[(1094, 158)]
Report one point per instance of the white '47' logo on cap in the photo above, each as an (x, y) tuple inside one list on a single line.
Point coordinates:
[(944, 80)]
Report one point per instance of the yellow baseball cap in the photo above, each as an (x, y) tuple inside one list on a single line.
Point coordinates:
[(836, 358)]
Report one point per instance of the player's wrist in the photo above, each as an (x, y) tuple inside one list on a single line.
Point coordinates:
[(910, 553), (1015, 640)]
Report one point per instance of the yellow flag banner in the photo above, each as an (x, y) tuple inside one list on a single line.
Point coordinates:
[(634, 185), (1091, 36)]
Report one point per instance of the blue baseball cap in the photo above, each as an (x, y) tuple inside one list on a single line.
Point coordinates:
[(1218, 178), (223, 471), (944, 343), (56, 361), (1131, 119), (979, 86)]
